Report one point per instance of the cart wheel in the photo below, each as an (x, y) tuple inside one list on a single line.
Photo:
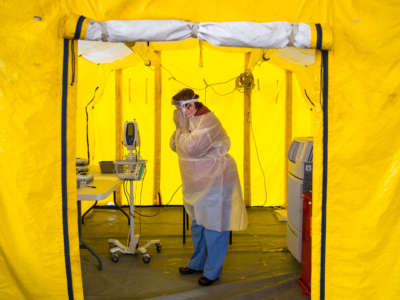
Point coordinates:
[(146, 258), (158, 247), (114, 258)]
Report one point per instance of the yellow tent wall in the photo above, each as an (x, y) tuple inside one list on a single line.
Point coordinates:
[(359, 258)]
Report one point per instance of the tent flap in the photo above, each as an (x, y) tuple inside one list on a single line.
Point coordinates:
[(103, 52)]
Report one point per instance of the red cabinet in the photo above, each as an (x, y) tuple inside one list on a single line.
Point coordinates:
[(305, 279)]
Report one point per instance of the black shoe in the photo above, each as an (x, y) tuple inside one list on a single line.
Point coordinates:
[(186, 271), (204, 281)]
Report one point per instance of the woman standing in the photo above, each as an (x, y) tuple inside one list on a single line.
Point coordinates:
[(211, 189)]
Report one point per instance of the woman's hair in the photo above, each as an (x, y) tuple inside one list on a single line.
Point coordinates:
[(198, 105), (187, 94)]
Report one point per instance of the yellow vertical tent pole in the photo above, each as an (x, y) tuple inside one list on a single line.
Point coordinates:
[(118, 124), (247, 136), (288, 129), (157, 126), (201, 62)]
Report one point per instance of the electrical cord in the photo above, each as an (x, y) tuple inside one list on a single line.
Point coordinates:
[(140, 199), (87, 124), (173, 194), (127, 198), (159, 210), (224, 94), (206, 85), (222, 82), (260, 164), (247, 77), (181, 82), (308, 98), (243, 81)]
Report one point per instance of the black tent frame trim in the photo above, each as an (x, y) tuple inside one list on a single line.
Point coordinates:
[(324, 172), (64, 168), (324, 85), (64, 112)]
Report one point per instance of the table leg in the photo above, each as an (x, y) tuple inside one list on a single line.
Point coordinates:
[(184, 225), (116, 206), (86, 212), (82, 244), (79, 219), (187, 221)]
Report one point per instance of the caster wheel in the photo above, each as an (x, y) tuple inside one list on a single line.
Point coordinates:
[(146, 258), (115, 258), (158, 247)]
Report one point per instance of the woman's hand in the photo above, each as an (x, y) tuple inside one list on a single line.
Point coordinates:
[(180, 120)]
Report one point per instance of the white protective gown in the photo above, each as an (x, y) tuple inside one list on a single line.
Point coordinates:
[(211, 189)]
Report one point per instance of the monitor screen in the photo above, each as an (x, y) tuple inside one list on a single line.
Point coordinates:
[(130, 129)]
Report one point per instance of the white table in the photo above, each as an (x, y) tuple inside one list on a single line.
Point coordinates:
[(100, 188)]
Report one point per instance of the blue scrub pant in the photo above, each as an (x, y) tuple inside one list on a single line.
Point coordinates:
[(210, 249)]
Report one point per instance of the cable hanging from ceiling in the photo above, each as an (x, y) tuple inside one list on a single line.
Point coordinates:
[(243, 81)]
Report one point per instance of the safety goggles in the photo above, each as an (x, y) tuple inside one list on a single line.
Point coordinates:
[(182, 103)]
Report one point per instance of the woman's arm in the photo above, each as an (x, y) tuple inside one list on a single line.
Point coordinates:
[(172, 142)]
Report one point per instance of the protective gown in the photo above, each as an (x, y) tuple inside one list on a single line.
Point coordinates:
[(211, 189)]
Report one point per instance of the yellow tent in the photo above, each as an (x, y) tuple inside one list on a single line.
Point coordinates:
[(352, 86)]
